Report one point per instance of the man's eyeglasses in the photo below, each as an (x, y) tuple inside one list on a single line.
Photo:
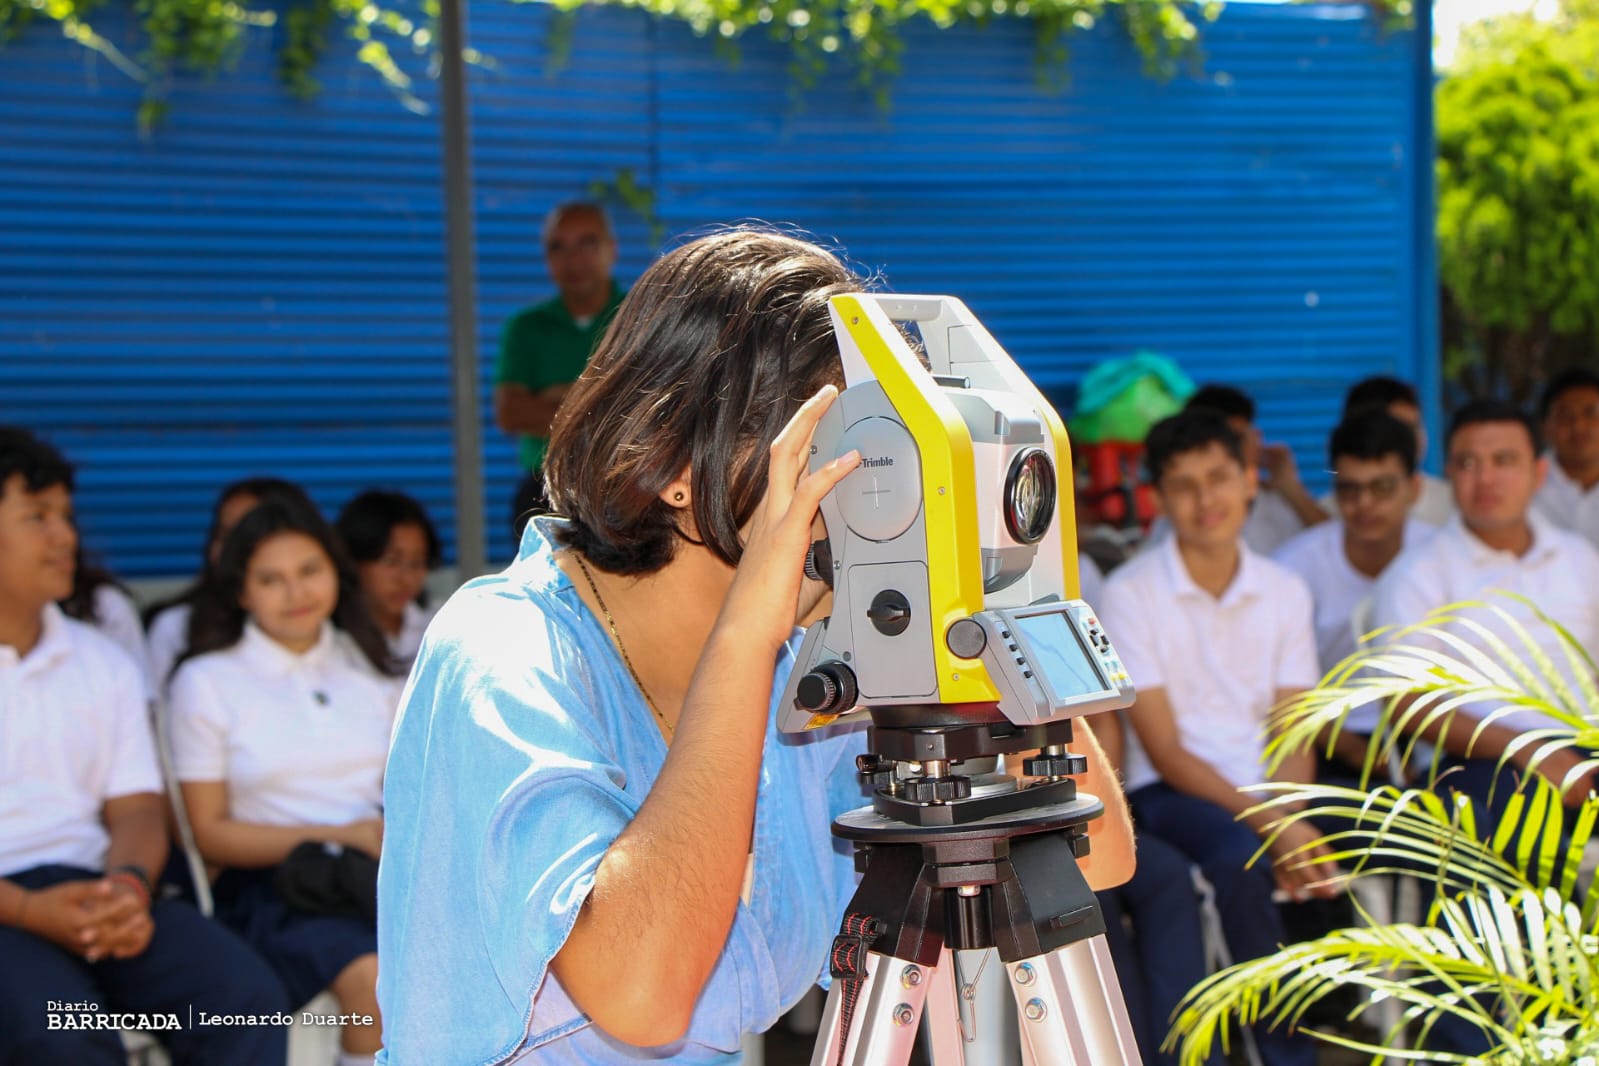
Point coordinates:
[(1348, 490)]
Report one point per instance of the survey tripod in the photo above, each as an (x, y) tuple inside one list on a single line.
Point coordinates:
[(957, 861)]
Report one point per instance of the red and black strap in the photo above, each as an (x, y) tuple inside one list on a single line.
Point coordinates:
[(847, 963)]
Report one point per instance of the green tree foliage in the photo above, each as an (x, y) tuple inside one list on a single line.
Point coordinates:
[(205, 36), (1518, 200)]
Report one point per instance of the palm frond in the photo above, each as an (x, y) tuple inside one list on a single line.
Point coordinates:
[(1515, 967), (1474, 654), (1538, 844)]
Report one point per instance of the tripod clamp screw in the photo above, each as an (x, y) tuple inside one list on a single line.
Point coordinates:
[(1035, 1010), (875, 772), (911, 976), (904, 1015), (1025, 974)]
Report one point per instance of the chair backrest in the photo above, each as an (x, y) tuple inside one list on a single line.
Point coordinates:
[(180, 813)]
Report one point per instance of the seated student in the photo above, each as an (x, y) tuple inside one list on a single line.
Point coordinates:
[(1164, 956), (83, 829), (1569, 409), (280, 727), (394, 545), (1214, 636), (1498, 542), (1434, 504), (1375, 484), (167, 622), (1282, 506), (101, 601)]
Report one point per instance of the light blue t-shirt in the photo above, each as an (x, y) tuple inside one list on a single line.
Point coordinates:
[(522, 749)]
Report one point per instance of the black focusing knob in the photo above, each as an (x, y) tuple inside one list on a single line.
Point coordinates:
[(828, 689), (819, 562)]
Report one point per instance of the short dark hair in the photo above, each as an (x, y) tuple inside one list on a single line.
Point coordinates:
[(216, 620), (1492, 409), (1575, 377), (367, 521), (1373, 433), (1223, 400), (1188, 431), (1380, 391), (709, 356), (558, 213), (37, 460)]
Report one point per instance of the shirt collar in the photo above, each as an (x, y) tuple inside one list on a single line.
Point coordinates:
[(1245, 584), (267, 655), (55, 644), (1544, 544)]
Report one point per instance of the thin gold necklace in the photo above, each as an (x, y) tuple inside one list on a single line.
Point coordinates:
[(666, 727)]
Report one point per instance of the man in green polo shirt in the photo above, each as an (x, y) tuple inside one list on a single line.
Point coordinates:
[(545, 347)]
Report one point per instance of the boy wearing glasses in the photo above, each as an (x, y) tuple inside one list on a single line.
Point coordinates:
[(545, 347), (1375, 486), (1569, 409), (1435, 503)]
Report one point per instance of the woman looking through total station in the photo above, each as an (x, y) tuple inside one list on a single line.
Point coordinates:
[(599, 847)]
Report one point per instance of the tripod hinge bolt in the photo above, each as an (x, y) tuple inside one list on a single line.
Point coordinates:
[(911, 976), (904, 1015), (1035, 1010), (1025, 974)]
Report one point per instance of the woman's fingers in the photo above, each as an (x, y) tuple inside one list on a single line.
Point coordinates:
[(809, 492), (791, 450)]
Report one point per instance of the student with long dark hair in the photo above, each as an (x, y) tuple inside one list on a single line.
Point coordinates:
[(167, 621), (280, 723), (600, 848), (394, 545)]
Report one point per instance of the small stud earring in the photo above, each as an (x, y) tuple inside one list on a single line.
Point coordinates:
[(677, 497)]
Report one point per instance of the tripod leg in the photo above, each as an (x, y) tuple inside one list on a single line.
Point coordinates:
[(944, 1013), (1070, 1008), (888, 1009)]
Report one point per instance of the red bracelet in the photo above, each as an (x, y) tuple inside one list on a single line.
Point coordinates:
[(133, 880)]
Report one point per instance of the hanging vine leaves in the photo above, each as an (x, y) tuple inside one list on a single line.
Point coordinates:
[(206, 37)]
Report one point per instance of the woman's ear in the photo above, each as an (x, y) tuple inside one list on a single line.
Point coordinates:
[(680, 493)]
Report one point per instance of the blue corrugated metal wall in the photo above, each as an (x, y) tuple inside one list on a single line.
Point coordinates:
[(260, 287)]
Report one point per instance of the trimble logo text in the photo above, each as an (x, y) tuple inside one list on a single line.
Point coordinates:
[(883, 461)]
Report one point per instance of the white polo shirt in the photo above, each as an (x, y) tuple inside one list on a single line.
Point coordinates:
[(117, 617), (299, 739), (1339, 591), (1560, 573), (167, 638), (1564, 503), (1220, 661), (73, 734)]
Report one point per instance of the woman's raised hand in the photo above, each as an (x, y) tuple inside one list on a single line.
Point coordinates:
[(766, 589)]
